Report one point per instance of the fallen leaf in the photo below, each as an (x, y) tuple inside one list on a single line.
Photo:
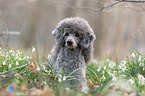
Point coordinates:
[(143, 92), (2, 76), (80, 88), (3, 92), (23, 88), (37, 92), (47, 91), (91, 84), (33, 66)]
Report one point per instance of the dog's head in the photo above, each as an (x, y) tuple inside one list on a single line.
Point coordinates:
[(72, 32)]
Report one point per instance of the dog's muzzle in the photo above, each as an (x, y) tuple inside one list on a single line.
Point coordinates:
[(69, 43)]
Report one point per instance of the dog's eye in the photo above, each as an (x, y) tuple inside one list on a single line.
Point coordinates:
[(77, 35), (66, 34)]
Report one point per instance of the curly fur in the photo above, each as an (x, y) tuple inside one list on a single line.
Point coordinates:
[(75, 55)]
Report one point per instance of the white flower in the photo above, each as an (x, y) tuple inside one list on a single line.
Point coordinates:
[(110, 74), (44, 67), (11, 51), (139, 59), (132, 54), (98, 69), (44, 82), (141, 79), (60, 76), (33, 49), (16, 57), (16, 74), (10, 66), (17, 81), (64, 78), (114, 78), (49, 56), (38, 69), (123, 62), (104, 67), (103, 77), (123, 69), (59, 80), (17, 63), (131, 81), (4, 63)]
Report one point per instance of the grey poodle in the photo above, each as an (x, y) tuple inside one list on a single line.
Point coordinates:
[(73, 50)]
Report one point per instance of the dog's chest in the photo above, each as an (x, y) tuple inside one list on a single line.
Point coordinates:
[(70, 59)]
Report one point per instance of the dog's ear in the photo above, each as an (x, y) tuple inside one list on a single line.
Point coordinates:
[(58, 34), (87, 39)]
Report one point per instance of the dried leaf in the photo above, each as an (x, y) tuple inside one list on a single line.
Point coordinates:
[(37, 92), (80, 88), (91, 84), (3, 92), (47, 91), (2, 76), (143, 92), (33, 66), (23, 88)]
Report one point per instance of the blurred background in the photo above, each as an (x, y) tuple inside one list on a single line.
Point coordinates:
[(119, 27)]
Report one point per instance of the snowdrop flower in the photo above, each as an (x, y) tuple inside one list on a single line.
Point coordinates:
[(4, 63), (49, 56), (123, 62), (17, 63), (132, 54), (18, 51), (10, 66), (38, 69), (59, 80), (16, 74), (131, 81), (60, 76), (44, 67), (103, 77), (44, 82), (64, 78), (139, 59), (33, 49), (123, 69), (11, 51), (141, 79), (114, 78), (111, 75), (104, 67), (98, 69), (16, 57)]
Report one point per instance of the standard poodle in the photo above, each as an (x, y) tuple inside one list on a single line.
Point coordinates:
[(73, 50)]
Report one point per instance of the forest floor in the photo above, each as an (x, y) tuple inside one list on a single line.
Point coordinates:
[(20, 74)]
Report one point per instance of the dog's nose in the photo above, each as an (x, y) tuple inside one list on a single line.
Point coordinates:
[(69, 42)]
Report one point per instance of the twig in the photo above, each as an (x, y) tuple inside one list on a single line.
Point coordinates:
[(10, 33), (137, 1), (94, 9), (110, 5)]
